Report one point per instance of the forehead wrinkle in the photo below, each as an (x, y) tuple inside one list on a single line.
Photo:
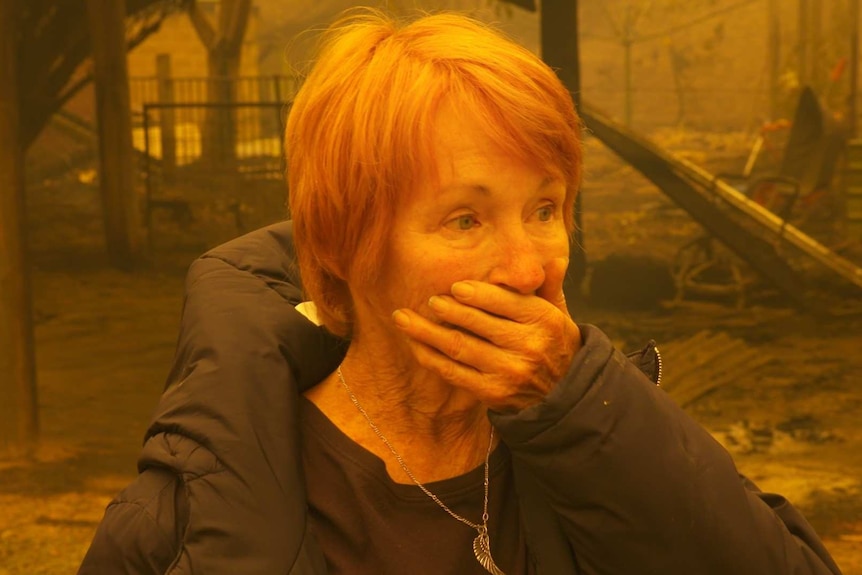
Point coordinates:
[(478, 189), (484, 190)]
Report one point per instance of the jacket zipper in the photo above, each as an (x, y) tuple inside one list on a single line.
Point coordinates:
[(659, 364)]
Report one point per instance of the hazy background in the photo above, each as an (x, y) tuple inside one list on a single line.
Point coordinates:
[(703, 80)]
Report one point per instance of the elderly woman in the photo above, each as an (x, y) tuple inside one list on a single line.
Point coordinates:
[(439, 411)]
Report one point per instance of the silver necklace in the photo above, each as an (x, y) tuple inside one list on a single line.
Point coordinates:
[(482, 543)]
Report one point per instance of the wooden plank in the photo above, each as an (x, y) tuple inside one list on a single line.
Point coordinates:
[(787, 232), (655, 165), (722, 209), (705, 362)]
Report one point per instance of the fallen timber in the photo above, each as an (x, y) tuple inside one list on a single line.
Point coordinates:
[(785, 256)]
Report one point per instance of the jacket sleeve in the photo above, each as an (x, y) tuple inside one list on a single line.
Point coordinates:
[(639, 487), (220, 489), (140, 532)]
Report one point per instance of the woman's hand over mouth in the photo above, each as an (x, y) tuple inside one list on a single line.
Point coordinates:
[(506, 348)]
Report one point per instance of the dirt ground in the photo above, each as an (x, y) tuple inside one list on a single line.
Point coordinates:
[(105, 341)]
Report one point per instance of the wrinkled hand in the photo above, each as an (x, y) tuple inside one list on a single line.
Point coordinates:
[(515, 349)]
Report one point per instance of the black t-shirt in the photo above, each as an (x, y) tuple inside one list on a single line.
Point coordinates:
[(367, 524)]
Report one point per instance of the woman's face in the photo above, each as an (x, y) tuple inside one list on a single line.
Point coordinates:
[(491, 219)]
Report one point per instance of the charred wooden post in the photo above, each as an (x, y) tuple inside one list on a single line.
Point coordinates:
[(19, 421), (559, 21), (113, 112)]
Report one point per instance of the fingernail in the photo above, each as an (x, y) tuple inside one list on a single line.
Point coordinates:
[(400, 318), (436, 303), (463, 290)]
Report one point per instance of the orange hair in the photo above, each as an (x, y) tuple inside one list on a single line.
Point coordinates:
[(360, 135)]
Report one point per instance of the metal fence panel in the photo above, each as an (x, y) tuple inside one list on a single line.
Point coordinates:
[(212, 170)]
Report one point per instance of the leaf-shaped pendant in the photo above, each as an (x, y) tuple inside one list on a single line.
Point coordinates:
[(482, 549)]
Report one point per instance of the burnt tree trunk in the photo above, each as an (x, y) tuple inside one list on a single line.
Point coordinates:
[(224, 48), (121, 211), (19, 422)]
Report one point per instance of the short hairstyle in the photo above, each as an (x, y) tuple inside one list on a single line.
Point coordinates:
[(360, 134)]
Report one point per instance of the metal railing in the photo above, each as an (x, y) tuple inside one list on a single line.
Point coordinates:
[(152, 89), (211, 158)]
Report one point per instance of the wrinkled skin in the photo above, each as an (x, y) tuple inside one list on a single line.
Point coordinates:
[(474, 275)]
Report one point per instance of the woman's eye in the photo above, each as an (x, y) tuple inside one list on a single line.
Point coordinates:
[(545, 213), (464, 223)]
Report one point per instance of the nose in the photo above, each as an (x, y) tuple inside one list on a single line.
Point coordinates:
[(518, 263)]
